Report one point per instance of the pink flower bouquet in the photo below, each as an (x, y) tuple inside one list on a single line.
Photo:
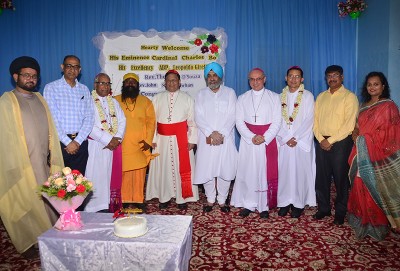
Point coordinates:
[(66, 190)]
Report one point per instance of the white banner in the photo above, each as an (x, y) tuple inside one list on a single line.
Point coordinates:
[(151, 54)]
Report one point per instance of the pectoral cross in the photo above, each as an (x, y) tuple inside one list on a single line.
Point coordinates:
[(255, 117)]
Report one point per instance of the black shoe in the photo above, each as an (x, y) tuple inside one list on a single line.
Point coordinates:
[(264, 214), (225, 208), (141, 206), (320, 215), (163, 205), (103, 211), (182, 206), (283, 210), (207, 208), (244, 212), (339, 220), (125, 205), (296, 212)]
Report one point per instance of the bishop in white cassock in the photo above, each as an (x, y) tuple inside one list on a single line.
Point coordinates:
[(171, 173), (258, 120), (216, 156), (105, 137), (296, 187)]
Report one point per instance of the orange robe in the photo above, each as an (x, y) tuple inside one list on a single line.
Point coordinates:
[(140, 125)]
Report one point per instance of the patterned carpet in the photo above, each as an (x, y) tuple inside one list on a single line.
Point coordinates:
[(227, 242)]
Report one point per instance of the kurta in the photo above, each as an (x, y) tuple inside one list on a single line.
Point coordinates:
[(23, 165), (215, 112), (164, 181), (297, 164), (140, 125), (99, 165), (258, 108)]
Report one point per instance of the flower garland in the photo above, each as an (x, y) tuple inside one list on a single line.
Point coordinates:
[(114, 121), (290, 119)]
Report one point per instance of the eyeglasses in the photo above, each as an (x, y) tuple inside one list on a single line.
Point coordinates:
[(294, 76), (28, 76), (70, 67), (256, 79), (335, 75), (104, 84)]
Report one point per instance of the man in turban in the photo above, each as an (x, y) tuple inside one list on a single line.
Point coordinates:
[(171, 174), (258, 120), (71, 106), (136, 153), (31, 152), (216, 156)]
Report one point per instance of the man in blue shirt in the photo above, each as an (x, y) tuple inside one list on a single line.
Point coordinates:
[(72, 109)]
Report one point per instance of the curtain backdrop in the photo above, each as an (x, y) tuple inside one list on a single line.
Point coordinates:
[(270, 34)]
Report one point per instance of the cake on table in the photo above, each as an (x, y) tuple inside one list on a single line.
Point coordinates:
[(131, 226)]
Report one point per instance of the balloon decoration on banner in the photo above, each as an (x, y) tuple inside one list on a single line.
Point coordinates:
[(353, 8), (6, 4)]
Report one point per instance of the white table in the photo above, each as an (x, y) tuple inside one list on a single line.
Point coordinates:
[(166, 246)]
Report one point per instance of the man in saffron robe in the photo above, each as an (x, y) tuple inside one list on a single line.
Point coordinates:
[(30, 153), (216, 156), (136, 155), (171, 173), (296, 169), (258, 120), (105, 137)]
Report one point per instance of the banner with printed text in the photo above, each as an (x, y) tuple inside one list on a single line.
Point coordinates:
[(151, 54)]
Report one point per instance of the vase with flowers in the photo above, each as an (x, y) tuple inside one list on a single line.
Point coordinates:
[(66, 190), (353, 8)]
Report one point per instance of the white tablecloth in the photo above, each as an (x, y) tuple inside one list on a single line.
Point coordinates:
[(166, 246)]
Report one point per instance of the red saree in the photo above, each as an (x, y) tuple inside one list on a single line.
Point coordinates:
[(374, 200)]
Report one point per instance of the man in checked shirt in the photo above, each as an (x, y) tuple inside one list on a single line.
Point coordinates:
[(71, 106)]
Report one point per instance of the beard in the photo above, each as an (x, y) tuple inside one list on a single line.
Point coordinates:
[(215, 85), (130, 92), (28, 86)]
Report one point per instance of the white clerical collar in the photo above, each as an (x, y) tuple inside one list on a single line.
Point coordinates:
[(258, 92)]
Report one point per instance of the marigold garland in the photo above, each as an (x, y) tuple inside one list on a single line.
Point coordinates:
[(111, 107), (290, 119)]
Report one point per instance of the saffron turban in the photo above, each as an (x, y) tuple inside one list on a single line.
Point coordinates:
[(24, 62), (131, 75), (215, 67)]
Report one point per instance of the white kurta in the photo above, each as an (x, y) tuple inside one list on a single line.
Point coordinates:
[(258, 108), (215, 112), (297, 164), (99, 164), (164, 181)]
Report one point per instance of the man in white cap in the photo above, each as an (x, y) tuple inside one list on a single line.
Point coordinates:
[(30, 152), (258, 120), (216, 156)]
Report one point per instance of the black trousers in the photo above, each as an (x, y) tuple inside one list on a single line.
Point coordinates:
[(76, 161), (333, 163)]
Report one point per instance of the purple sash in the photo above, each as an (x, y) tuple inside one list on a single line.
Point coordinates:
[(271, 151), (116, 180)]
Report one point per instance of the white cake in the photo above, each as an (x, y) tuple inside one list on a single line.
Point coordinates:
[(132, 226)]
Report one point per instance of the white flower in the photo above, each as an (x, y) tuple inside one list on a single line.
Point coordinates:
[(66, 171)]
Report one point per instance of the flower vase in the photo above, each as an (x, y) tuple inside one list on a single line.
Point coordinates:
[(355, 14), (69, 220)]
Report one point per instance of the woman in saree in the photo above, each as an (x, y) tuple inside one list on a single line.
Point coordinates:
[(374, 200)]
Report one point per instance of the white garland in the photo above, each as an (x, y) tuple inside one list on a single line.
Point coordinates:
[(290, 119), (111, 107)]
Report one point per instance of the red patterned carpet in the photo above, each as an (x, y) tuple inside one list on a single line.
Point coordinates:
[(228, 242)]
